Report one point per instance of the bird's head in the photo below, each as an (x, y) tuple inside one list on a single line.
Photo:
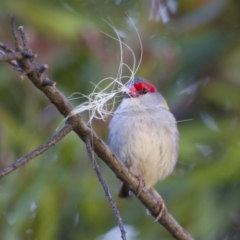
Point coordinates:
[(138, 87), (147, 94)]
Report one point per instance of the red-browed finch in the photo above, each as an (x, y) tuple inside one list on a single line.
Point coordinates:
[(144, 136)]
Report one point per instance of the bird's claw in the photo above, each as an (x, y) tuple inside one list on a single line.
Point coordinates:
[(162, 211), (161, 203), (141, 184)]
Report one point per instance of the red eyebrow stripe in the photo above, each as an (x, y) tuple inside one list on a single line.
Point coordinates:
[(148, 86)]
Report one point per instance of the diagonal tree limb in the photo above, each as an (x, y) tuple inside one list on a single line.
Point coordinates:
[(44, 84), (105, 187), (51, 142)]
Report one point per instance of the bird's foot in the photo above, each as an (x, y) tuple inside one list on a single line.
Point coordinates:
[(141, 183), (162, 206), (162, 211)]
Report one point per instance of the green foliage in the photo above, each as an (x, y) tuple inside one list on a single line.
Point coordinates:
[(194, 61)]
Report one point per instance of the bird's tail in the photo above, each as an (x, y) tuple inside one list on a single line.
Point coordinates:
[(124, 191)]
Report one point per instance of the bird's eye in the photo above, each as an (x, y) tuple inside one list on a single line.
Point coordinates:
[(144, 91)]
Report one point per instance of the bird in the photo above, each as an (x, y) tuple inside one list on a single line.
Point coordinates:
[(143, 134)]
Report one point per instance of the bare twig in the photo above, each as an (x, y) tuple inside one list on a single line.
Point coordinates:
[(24, 40), (52, 141), (14, 56), (42, 68), (44, 84), (25, 44), (5, 48), (15, 36), (105, 187)]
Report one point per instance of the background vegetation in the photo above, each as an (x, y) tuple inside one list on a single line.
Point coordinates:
[(191, 52)]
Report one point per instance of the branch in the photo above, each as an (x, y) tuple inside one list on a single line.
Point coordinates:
[(45, 85), (105, 187), (5, 48), (14, 56), (52, 141)]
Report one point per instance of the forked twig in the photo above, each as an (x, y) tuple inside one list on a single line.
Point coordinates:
[(68, 127)]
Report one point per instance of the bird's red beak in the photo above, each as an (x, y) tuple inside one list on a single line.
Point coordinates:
[(132, 92)]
